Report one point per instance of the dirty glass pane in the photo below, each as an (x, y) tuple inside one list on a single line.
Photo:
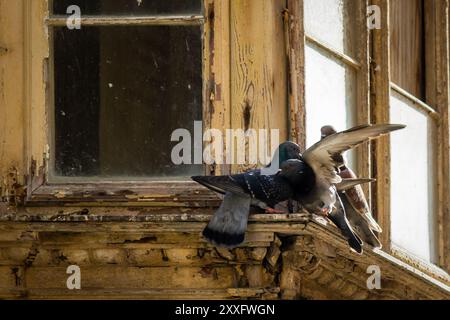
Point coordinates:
[(330, 95), (130, 7), (333, 22), (413, 184), (119, 93)]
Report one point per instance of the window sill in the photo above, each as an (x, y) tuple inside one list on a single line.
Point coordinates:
[(156, 193), (426, 267)]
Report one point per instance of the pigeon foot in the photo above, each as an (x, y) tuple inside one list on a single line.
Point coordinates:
[(271, 210)]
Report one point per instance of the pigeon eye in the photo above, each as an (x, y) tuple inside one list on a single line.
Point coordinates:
[(321, 204)]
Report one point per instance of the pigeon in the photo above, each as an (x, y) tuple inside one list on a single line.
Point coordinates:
[(325, 158), (355, 203), (253, 188), (306, 194), (340, 216), (285, 151)]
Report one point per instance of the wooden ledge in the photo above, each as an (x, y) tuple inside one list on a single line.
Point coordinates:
[(302, 255)]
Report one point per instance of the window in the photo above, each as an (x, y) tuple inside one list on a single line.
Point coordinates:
[(412, 222), (147, 66), (94, 98), (402, 82), (120, 88), (409, 86), (334, 67)]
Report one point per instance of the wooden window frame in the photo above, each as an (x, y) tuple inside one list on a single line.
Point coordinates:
[(38, 119), (372, 64), (437, 92), (297, 38)]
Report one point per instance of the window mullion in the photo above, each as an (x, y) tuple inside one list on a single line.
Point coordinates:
[(419, 104), (60, 20), (336, 53)]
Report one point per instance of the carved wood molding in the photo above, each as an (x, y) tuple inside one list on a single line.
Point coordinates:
[(319, 265), (284, 256)]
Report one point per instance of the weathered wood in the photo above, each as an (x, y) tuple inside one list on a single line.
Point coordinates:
[(362, 116), (438, 96), (36, 57), (334, 52), (159, 294), (12, 165), (134, 277), (419, 104), (218, 105), (258, 68), (130, 21), (295, 48), (380, 101), (314, 264)]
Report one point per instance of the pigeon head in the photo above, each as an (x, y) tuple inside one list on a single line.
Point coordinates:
[(293, 170), (285, 151), (288, 150), (323, 200), (326, 131)]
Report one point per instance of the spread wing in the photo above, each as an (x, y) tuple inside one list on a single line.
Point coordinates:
[(356, 199), (349, 183), (321, 156)]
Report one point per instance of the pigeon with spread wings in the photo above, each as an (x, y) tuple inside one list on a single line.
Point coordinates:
[(323, 158), (355, 203)]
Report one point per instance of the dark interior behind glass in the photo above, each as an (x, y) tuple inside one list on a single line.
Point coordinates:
[(119, 92)]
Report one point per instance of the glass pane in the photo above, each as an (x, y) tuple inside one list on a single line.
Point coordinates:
[(412, 179), (119, 93), (330, 95), (333, 22), (130, 7)]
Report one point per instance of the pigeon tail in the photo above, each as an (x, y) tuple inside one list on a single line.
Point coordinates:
[(367, 235), (228, 225), (373, 224), (360, 225), (223, 239), (353, 240), (370, 238)]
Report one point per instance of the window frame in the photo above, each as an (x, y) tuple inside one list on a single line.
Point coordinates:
[(359, 63), (374, 73), (39, 106), (437, 92)]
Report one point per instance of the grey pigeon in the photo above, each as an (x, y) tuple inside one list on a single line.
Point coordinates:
[(340, 216), (355, 203), (228, 225), (324, 158)]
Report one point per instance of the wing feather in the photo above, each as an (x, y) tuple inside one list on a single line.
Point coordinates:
[(320, 155)]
